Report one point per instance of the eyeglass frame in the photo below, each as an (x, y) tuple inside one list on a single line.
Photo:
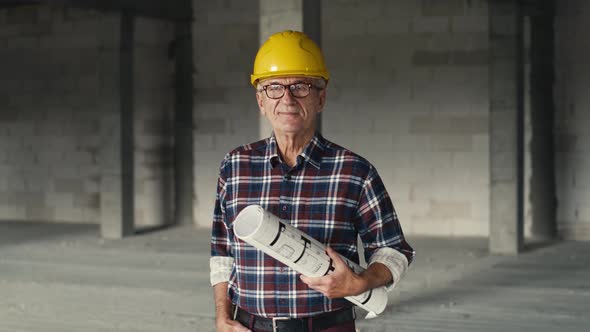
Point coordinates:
[(288, 87)]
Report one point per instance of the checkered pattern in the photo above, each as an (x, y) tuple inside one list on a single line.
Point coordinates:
[(331, 194)]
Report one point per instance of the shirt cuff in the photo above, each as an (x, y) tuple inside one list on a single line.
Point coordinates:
[(220, 267), (395, 261)]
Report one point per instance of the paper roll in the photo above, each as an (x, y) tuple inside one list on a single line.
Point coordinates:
[(299, 251)]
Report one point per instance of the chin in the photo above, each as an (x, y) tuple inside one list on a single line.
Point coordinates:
[(291, 130), (294, 129), (291, 126)]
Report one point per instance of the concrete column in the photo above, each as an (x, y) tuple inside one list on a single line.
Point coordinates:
[(542, 197), (183, 127), (312, 26), (506, 126), (276, 16), (116, 215)]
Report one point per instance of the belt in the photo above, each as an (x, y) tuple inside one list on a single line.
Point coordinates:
[(287, 324)]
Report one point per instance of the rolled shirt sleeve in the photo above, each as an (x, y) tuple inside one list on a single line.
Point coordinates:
[(380, 229), (221, 261), (395, 261), (220, 268)]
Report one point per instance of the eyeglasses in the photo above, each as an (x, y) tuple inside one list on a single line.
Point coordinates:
[(277, 91)]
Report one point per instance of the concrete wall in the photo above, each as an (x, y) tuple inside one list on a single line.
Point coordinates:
[(50, 88), (153, 121), (409, 92), (60, 119), (573, 119), (225, 35)]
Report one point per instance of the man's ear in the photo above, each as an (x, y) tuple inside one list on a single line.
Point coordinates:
[(260, 102), (322, 99)]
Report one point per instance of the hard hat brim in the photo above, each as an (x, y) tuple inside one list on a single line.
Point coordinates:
[(254, 79)]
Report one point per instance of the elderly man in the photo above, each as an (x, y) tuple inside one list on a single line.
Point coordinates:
[(325, 190)]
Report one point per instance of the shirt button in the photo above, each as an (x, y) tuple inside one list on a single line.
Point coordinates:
[(282, 301), (284, 208)]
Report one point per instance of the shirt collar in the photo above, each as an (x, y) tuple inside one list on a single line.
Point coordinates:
[(272, 151), (312, 152)]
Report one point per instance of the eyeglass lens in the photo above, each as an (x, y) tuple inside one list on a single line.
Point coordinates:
[(298, 90)]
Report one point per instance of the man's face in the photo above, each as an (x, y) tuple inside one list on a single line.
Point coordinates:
[(289, 114)]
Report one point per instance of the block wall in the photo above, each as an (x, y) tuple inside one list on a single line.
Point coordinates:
[(50, 90), (153, 121), (409, 91), (225, 41), (572, 119), (60, 121)]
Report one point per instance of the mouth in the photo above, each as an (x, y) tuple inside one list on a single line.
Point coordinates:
[(289, 113)]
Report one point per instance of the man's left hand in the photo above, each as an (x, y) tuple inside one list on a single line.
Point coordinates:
[(341, 282)]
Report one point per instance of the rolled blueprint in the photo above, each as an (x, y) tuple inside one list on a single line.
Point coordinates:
[(299, 251)]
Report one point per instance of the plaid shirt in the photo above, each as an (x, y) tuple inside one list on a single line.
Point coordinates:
[(331, 194)]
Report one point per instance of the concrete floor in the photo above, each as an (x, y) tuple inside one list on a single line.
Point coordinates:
[(64, 278)]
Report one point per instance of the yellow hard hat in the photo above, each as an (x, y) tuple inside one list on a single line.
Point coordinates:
[(289, 53)]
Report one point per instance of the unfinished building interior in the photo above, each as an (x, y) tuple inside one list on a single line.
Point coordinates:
[(115, 116)]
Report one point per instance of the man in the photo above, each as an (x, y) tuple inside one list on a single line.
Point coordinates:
[(317, 186)]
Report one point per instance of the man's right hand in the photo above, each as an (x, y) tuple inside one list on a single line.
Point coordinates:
[(223, 311), (228, 325)]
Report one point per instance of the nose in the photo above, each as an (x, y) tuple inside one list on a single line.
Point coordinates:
[(288, 97)]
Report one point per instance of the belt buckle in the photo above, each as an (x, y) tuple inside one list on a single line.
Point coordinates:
[(274, 322)]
